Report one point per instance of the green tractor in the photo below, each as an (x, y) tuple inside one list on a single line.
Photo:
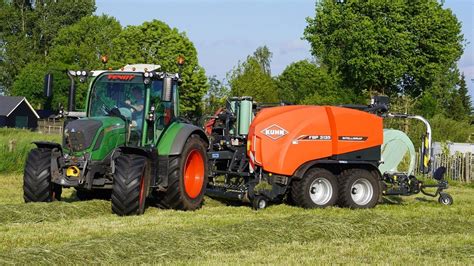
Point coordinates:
[(130, 144)]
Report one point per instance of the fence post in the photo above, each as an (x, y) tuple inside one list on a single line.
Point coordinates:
[(11, 145)]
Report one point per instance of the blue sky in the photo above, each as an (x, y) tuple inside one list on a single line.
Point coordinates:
[(226, 31)]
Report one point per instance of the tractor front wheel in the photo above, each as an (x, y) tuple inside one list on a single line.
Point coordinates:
[(130, 185), (37, 186), (187, 177)]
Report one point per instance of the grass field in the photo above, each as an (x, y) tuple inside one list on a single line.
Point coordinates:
[(12, 161), (416, 230)]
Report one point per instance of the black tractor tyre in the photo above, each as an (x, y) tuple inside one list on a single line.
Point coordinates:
[(358, 189), (130, 186), (317, 189), (188, 168), (37, 185)]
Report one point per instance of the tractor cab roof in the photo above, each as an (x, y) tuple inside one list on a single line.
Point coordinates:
[(139, 68)]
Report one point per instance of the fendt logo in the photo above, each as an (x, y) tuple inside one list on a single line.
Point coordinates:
[(274, 132), (121, 77)]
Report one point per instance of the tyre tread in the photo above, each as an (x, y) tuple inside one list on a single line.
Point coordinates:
[(299, 188), (345, 178), (125, 198), (175, 196), (37, 186)]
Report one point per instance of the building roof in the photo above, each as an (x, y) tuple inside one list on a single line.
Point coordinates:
[(8, 104)]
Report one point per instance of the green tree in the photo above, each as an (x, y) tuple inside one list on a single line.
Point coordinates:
[(78, 46), (81, 45), (304, 82), (216, 95), (28, 28), (465, 98), (444, 127), (156, 43), (30, 84), (249, 78), (264, 58), (386, 46)]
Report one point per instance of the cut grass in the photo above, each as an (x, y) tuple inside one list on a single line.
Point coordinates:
[(417, 230)]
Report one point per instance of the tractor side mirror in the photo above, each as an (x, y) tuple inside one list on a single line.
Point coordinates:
[(167, 89), (48, 85)]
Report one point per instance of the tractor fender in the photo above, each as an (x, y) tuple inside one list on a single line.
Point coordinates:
[(149, 153), (130, 150), (179, 138), (47, 145)]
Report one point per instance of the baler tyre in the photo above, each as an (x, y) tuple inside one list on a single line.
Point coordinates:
[(359, 189), (259, 203), (187, 178), (130, 186), (37, 185), (317, 189), (445, 199)]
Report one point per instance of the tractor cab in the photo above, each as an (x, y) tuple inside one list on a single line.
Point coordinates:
[(145, 101)]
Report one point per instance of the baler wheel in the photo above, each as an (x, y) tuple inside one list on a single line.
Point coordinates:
[(130, 185), (37, 186), (445, 198), (259, 203), (358, 189), (317, 189), (187, 178)]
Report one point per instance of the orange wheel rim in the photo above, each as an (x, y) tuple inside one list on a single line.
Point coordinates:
[(142, 190), (194, 174)]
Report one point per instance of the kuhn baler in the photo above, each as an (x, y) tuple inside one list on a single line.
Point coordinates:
[(311, 156)]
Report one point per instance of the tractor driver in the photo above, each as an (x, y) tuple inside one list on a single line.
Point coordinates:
[(136, 103)]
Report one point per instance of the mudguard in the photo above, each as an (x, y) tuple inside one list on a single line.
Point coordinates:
[(150, 153), (47, 145), (173, 140)]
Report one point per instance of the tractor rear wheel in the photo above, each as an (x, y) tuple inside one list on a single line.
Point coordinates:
[(317, 189), (358, 189), (130, 186), (187, 177), (37, 186)]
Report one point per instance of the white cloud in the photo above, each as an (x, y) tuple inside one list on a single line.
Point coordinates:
[(292, 46)]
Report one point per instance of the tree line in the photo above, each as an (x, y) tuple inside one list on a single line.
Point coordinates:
[(405, 49), (52, 36)]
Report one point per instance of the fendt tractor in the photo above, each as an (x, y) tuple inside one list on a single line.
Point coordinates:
[(309, 156), (130, 143)]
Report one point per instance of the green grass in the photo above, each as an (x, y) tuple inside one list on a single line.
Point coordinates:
[(13, 161), (417, 230)]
